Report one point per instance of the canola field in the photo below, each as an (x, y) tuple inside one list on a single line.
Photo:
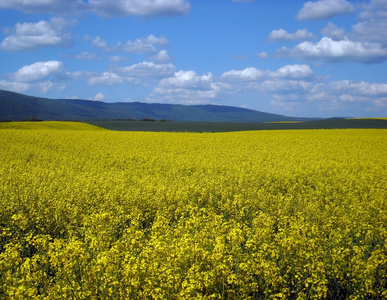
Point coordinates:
[(296, 214)]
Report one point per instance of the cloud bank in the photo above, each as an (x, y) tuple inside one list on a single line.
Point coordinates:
[(105, 8), (32, 36), (325, 9)]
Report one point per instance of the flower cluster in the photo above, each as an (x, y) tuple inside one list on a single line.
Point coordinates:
[(245, 215)]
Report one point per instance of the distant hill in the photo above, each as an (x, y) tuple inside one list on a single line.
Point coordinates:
[(19, 107)]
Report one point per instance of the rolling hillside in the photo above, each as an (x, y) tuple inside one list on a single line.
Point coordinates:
[(18, 107)]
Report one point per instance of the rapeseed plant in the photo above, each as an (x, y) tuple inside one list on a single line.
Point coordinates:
[(246, 215)]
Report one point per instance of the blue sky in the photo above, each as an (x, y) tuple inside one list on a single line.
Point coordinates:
[(321, 58)]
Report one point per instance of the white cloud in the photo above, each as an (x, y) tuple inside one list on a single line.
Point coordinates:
[(293, 72), (146, 70), (117, 59), (248, 74), (373, 30), (139, 46), (151, 39), (333, 32), (98, 97), (45, 6), (108, 8), (14, 86), (241, 57), (162, 56), (190, 87), (280, 86), (381, 102), (286, 102), (108, 79), (262, 54), (291, 87), (21, 87), (99, 42), (337, 51), (38, 71), (188, 80), (88, 56), (48, 85), (138, 74), (334, 94), (31, 36), (281, 34), (361, 88), (186, 87), (374, 9), (324, 9), (252, 74), (80, 75)]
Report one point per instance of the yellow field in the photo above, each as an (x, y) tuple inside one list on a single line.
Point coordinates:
[(52, 125), (298, 214)]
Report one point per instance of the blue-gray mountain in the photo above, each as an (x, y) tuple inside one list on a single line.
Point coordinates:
[(17, 107)]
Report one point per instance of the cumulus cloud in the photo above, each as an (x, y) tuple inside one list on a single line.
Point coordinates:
[(281, 86), (108, 79), (98, 97), (88, 56), (147, 70), (186, 87), (46, 86), (359, 88), (281, 34), (45, 6), (139, 73), (381, 102), (151, 39), (248, 74), (290, 87), (374, 9), (161, 56), (252, 74), (262, 54), (21, 87), (190, 87), (38, 71), (293, 71), (14, 86), (372, 30), (188, 80), (79, 75), (106, 8), (139, 46), (109, 8), (31, 36), (333, 32), (99, 43), (337, 51), (337, 94), (117, 59), (324, 9)]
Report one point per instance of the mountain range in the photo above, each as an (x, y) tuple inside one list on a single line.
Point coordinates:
[(19, 107)]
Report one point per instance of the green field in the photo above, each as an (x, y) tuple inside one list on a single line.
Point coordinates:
[(228, 127), (160, 126)]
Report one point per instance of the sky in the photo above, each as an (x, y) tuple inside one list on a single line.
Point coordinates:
[(325, 58)]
